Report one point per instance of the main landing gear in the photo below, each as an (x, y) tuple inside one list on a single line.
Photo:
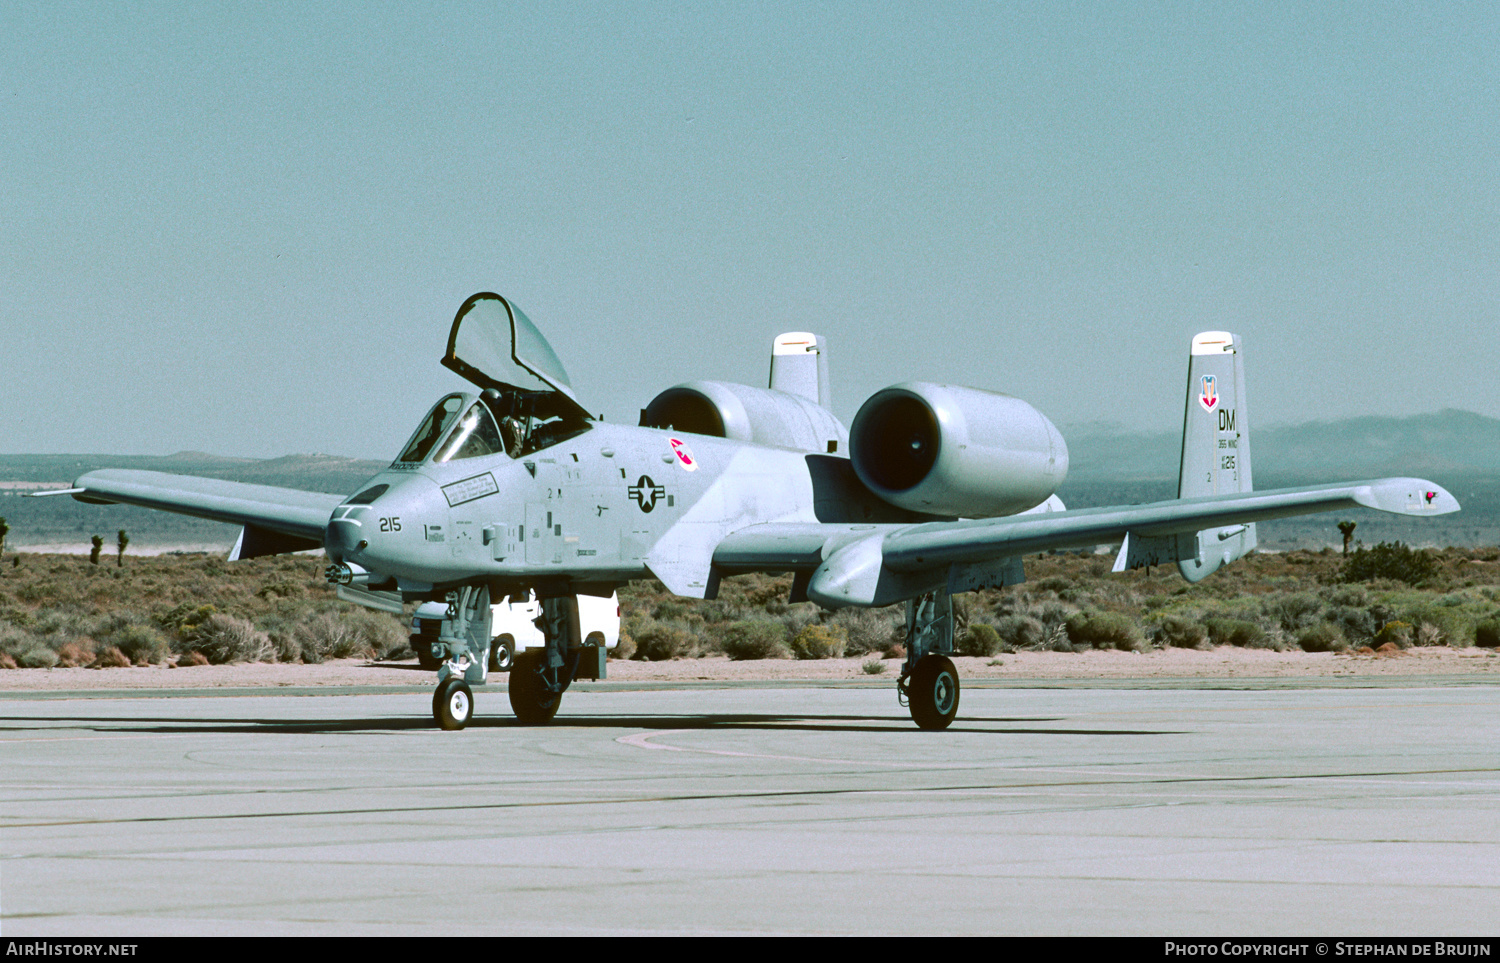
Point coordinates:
[(538, 679), (928, 685)]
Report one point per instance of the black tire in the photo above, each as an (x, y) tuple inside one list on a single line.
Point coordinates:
[(933, 692), (422, 646), (453, 704), (529, 698), (502, 653)]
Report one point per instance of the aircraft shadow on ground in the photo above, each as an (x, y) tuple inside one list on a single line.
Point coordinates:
[(768, 722)]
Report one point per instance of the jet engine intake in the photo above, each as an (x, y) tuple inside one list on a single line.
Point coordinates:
[(759, 415), (950, 450)]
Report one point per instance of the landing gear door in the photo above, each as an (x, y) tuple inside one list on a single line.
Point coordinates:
[(493, 345)]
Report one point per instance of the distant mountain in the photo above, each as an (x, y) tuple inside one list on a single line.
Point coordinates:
[(1449, 442), (325, 473)]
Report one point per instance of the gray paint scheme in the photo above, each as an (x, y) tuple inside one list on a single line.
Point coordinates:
[(610, 503), (620, 502)]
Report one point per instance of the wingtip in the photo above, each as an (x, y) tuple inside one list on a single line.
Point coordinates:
[(1410, 496)]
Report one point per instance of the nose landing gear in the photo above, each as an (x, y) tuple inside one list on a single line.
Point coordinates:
[(453, 704), (465, 636)]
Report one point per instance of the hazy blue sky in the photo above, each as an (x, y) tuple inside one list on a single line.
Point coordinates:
[(246, 228)]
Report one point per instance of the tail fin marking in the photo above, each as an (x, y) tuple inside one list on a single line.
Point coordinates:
[(1215, 446), (799, 366)]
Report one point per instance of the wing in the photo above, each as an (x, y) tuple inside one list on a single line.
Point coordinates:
[(275, 519), (869, 565)]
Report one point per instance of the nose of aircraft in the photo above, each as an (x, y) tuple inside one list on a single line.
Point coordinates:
[(365, 529)]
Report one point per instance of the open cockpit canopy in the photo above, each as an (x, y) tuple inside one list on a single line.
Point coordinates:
[(495, 346), (445, 435)]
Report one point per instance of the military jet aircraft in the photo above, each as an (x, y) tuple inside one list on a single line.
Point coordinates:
[(933, 489)]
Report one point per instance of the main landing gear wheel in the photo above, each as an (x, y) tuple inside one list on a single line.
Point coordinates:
[(933, 691), (502, 653), (529, 698), (453, 704)]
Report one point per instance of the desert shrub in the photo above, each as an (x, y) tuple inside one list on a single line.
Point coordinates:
[(1104, 630), (13, 639), (1351, 595), (798, 617), (1182, 633), (819, 642), (38, 655), (980, 640), (1297, 611), (1236, 632), (141, 644), (331, 634), (1487, 634), (377, 634), (1053, 583), (625, 648), (184, 619), (76, 653), (1397, 632), (872, 666), (1353, 621), (1323, 637), (868, 630), (1020, 632), (224, 639), (670, 609), (660, 641), (59, 626), (1389, 560), (285, 643), (1054, 615), (1438, 624), (755, 640), (15, 616), (110, 658), (767, 589)]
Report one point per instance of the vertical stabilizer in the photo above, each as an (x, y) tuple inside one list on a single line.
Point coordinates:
[(799, 366), (1215, 446)]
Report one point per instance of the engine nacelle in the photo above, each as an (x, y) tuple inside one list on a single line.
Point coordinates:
[(949, 450), (726, 410)]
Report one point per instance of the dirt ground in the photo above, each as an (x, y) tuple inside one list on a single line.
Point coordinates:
[(1221, 663)]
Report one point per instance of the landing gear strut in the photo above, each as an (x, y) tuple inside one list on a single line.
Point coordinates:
[(465, 638), (538, 679), (929, 683)]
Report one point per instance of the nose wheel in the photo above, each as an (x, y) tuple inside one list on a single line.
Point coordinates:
[(453, 704), (932, 692)]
